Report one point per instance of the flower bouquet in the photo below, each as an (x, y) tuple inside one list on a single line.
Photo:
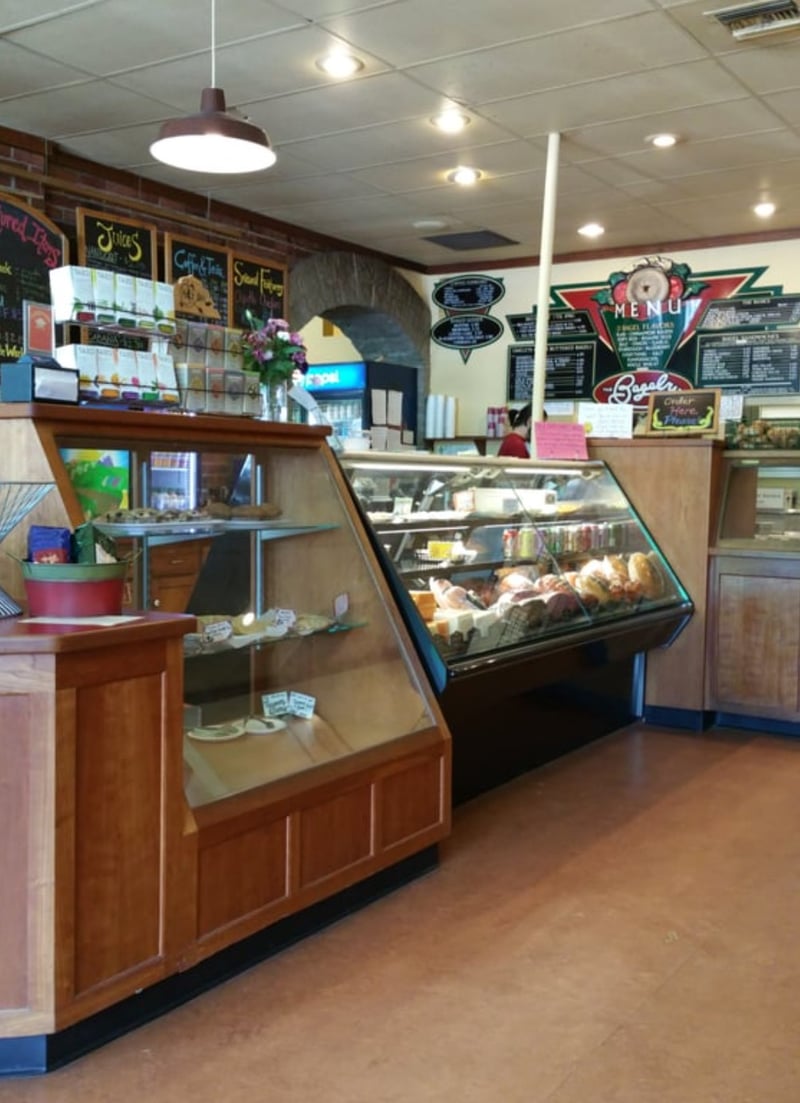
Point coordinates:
[(275, 353)]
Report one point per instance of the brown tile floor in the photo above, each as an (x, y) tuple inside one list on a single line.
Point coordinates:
[(620, 926)]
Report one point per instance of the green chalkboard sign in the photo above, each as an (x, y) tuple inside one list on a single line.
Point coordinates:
[(679, 413)]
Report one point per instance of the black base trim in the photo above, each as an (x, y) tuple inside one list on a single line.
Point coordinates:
[(44, 1052), (757, 723), (690, 719)]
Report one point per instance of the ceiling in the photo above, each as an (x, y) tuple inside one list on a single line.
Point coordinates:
[(360, 160)]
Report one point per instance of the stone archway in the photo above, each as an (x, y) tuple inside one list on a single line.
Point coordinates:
[(376, 309)]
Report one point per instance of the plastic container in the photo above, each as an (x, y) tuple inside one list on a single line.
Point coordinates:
[(74, 589)]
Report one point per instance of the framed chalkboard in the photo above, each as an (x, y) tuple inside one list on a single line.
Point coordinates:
[(116, 244), (208, 269), (569, 370), (683, 412), (31, 246), (259, 286)]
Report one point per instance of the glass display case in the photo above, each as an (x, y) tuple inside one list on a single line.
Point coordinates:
[(282, 776), (501, 565)]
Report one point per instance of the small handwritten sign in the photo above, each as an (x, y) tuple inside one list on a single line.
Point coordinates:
[(683, 412), (556, 440), (116, 243)]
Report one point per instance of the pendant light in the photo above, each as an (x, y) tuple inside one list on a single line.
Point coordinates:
[(213, 140)]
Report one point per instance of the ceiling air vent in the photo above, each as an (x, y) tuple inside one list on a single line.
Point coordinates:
[(471, 239), (745, 21)]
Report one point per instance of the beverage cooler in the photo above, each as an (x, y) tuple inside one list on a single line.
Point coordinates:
[(340, 391)]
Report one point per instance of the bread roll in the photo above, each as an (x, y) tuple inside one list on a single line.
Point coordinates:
[(643, 571)]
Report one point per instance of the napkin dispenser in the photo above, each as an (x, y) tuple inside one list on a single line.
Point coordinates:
[(35, 378)]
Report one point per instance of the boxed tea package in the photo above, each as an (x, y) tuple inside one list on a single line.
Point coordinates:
[(72, 294)]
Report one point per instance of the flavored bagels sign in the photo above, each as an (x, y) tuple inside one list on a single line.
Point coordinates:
[(645, 315)]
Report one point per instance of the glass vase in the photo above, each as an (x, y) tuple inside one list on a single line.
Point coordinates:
[(274, 400)]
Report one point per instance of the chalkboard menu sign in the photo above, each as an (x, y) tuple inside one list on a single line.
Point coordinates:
[(561, 323), (522, 326), (750, 363), (683, 412), (569, 371), (758, 312), (116, 244), (466, 331), (258, 286), (30, 247), (207, 265), (473, 293)]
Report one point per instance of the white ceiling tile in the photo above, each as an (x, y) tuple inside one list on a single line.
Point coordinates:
[(405, 33), (635, 95), (359, 159)]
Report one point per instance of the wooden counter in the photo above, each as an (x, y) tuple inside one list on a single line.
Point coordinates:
[(674, 485)]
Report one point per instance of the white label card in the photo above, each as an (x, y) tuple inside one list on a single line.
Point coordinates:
[(275, 704), (302, 704), (341, 603), (286, 617), (219, 631)]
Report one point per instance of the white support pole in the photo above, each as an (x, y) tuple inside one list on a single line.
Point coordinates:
[(545, 267)]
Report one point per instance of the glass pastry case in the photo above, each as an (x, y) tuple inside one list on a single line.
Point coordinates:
[(514, 568)]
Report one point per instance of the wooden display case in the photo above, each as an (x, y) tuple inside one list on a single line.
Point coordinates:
[(153, 847)]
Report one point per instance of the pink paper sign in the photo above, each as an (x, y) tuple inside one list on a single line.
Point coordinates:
[(563, 440)]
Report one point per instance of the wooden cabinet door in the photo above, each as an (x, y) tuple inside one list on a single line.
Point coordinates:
[(754, 636)]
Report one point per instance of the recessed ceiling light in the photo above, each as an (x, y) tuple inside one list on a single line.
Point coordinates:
[(464, 175), (340, 64), (429, 224), (451, 121), (592, 229), (764, 210), (662, 141)]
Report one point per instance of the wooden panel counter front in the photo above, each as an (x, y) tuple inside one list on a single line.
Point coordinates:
[(90, 777), (674, 485)]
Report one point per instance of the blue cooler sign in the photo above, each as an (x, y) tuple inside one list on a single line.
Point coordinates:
[(337, 377)]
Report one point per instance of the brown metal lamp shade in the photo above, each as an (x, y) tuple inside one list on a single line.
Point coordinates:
[(213, 140)]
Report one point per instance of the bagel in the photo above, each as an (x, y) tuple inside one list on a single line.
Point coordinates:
[(645, 574)]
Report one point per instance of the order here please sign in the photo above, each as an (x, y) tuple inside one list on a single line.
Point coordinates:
[(680, 412)]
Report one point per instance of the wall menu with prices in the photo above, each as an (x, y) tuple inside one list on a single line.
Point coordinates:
[(30, 247), (569, 371), (752, 363), (756, 312), (258, 286), (470, 293), (208, 264), (562, 323)]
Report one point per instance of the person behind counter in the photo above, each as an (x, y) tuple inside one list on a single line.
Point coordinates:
[(515, 442)]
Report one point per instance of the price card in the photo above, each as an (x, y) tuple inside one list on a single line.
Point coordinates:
[(218, 632), (302, 704), (275, 704), (285, 617), (341, 603)]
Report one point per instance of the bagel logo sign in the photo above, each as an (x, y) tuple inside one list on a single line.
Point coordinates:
[(645, 314)]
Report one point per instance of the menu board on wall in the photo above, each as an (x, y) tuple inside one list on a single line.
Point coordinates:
[(756, 312), (116, 244), (752, 363), (258, 286), (561, 323), (30, 247), (208, 270), (569, 370), (471, 293), (466, 331)]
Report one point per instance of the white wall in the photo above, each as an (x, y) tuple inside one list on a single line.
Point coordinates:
[(481, 381)]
